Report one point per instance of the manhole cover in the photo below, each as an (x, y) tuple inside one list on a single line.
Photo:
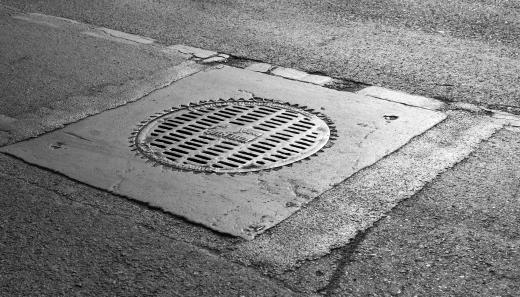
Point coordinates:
[(232, 136)]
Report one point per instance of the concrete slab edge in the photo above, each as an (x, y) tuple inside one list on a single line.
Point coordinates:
[(211, 57)]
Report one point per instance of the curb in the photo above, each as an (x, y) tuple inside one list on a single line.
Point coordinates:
[(209, 57)]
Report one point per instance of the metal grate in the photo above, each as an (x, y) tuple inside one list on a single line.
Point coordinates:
[(235, 135)]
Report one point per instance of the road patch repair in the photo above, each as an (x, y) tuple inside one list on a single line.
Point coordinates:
[(235, 150)]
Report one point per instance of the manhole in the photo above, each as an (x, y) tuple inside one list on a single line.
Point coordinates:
[(233, 136)]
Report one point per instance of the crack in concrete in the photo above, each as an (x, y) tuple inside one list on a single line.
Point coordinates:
[(77, 136)]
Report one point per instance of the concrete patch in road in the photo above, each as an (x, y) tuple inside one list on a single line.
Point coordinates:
[(95, 151)]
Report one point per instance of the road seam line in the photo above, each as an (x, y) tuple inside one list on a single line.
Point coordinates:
[(204, 56)]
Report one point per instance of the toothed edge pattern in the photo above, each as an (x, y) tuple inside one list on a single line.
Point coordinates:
[(333, 135)]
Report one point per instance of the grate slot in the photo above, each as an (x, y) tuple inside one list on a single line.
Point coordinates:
[(173, 149), (260, 128), (268, 109), (185, 132), (196, 127), (191, 129), (297, 146), (278, 120), (173, 121), (276, 142), (306, 127), (164, 141), (188, 147), (242, 157), (257, 150), (197, 160), (172, 154), (167, 125), (199, 141), (177, 135), (280, 116), (283, 153), (280, 137), (236, 160), (249, 154), (266, 143), (210, 153), (159, 130), (216, 118), (223, 147), (158, 145), (290, 150), (267, 125), (211, 121), (297, 129), (310, 142), (207, 137), (203, 123), (261, 147), (227, 164), (269, 159), (302, 143)]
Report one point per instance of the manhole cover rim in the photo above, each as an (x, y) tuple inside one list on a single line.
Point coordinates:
[(139, 143)]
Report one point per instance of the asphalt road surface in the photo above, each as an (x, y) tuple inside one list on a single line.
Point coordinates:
[(452, 50), (455, 235)]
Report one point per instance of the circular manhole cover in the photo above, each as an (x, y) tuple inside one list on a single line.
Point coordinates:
[(232, 136)]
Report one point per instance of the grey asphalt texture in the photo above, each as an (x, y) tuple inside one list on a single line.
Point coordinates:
[(458, 236), (42, 88), (54, 242), (453, 50)]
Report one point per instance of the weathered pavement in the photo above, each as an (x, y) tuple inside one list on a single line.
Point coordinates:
[(438, 217), (457, 50)]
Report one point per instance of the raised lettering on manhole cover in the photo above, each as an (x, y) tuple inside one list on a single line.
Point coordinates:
[(233, 136)]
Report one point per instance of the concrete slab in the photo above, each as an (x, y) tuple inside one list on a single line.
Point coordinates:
[(95, 151)]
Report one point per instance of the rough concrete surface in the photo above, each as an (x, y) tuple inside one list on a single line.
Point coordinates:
[(52, 73), (459, 236), (95, 151), (456, 50), (333, 219)]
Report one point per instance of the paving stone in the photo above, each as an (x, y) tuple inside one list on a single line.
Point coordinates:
[(401, 97), (197, 52), (215, 59), (289, 73), (317, 79), (259, 67)]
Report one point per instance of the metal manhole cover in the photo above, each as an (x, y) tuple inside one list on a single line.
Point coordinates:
[(233, 136)]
